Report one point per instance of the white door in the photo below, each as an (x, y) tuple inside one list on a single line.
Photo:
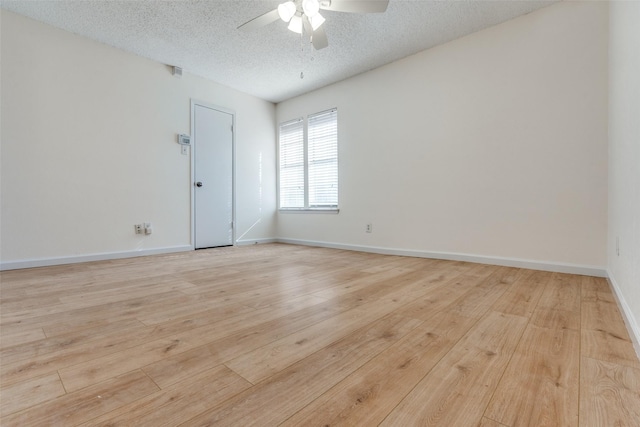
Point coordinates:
[(213, 172)]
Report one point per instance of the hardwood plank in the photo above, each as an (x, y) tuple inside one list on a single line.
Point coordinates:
[(388, 274), (483, 295), (385, 278), (262, 362), (30, 393), (396, 290), (115, 294), (522, 297), (537, 386), (487, 422), (169, 313), (264, 404), (604, 316), (609, 394), (556, 319), (559, 306), (11, 318), (609, 347), (179, 402), (87, 317), (75, 408), (276, 302), (75, 350), (454, 286), (393, 261), (370, 393), (562, 292), (71, 350), (98, 369), (18, 338), (76, 339), (175, 368), (458, 389), (277, 355), (596, 289), (18, 304), (89, 298)]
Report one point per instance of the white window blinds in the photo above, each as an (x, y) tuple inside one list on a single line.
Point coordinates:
[(308, 167), (323, 159), (292, 164)]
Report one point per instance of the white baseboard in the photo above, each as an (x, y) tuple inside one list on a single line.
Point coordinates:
[(627, 315), (507, 262), (452, 256), (44, 262), (245, 242)]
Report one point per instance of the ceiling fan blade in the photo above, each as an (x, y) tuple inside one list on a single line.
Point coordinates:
[(319, 39), (260, 21), (355, 6)]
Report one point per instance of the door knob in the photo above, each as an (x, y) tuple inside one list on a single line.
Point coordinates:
[(198, 184)]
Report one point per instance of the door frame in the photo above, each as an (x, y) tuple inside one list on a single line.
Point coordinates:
[(192, 180)]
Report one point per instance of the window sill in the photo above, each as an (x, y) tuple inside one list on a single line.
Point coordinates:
[(309, 211)]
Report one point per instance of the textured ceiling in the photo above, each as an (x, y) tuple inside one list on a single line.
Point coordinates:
[(201, 36)]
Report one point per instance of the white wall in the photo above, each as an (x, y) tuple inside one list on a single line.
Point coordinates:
[(624, 158), (493, 145), (88, 148)]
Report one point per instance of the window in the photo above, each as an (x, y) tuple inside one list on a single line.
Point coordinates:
[(292, 164), (309, 162)]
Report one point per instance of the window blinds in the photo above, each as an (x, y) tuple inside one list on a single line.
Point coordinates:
[(292, 164), (309, 162), (323, 159)]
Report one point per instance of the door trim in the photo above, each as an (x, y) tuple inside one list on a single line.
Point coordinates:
[(192, 178)]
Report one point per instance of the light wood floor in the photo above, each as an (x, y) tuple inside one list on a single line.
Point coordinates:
[(285, 335)]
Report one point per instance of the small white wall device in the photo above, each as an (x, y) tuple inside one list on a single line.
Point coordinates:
[(184, 139)]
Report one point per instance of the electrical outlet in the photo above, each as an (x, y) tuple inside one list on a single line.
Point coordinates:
[(147, 228), (369, 228), (139, 228)]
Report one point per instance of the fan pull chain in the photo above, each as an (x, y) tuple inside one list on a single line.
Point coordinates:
[(303, 42), (302, 55)]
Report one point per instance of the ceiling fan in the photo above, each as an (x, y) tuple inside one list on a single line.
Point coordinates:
[(305, 19)]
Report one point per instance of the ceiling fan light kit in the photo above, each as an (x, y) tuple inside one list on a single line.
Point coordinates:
[(304, 16), (316, 21), (287, 10), (295, 24), (310, 7), (290, 13)]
